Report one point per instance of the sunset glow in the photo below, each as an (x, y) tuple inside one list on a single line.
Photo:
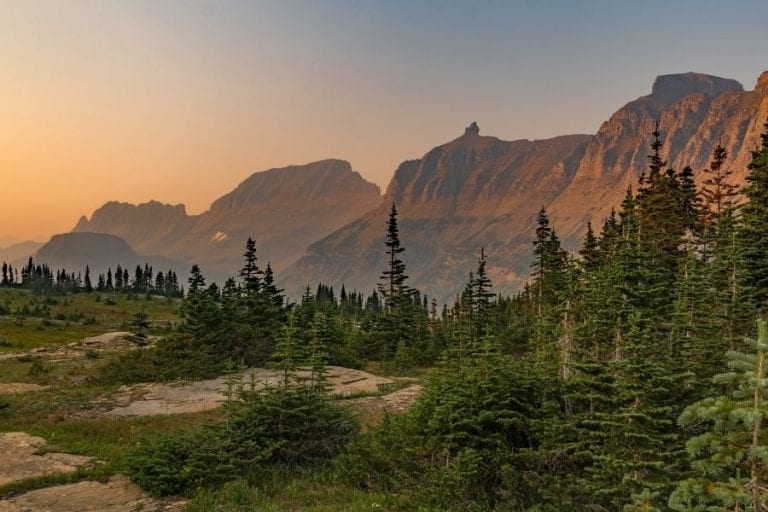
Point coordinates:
[(180, 101)]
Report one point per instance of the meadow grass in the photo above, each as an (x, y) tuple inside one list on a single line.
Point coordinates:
[(96, 313), (318, 490)]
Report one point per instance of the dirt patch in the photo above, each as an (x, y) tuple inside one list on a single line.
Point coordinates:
[(116, 495), (14, 388), (21, 458), (152, 399)]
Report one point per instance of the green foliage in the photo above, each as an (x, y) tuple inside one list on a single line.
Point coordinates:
[(754, 226), (457, 447), (730, 461), (283, 426)]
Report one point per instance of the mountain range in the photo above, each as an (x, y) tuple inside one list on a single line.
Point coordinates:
[(322, 222)]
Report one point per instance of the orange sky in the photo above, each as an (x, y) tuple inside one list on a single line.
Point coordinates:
[(179, 101)]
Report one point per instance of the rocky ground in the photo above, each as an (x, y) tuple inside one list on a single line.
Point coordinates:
[(197, 396), (25, 457), (118, 494)]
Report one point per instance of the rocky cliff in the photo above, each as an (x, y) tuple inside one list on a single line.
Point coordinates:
[(479, 191), (473, 191)]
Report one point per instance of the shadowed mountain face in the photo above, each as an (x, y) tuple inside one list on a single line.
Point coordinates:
[(99, 251), (283, 210), (480, 191)]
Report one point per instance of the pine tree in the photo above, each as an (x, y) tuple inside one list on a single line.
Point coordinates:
[(730, 460), (287, 355), (88, 284), (250, 273), (754, 227), (634, 444), (718, 193), (392, 285), (590, 250), (398, 323)]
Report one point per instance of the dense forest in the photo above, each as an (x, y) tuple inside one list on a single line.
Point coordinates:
[(628, 377)]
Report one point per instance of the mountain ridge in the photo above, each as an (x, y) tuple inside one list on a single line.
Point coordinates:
[(283, 209), (695, 112)]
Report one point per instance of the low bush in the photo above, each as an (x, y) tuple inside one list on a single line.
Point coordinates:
[(275, 428)]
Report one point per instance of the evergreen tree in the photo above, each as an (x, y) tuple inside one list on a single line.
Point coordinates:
[(88, 284), (754, 227), (718, 193), (250, 274), (392, 285), (590, 250), (730, 460)]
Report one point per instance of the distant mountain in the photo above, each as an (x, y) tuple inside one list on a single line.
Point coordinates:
[(283, 210), (99, 251), (7, 240), (479, 191), (19, 252), (147, 227)]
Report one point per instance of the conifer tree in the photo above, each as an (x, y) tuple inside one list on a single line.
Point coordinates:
[(718, 193), (590, 250), (397, 324), (730, 460), (635, 444), (754, 227), (88, 284), (250, 274), (392, 285)]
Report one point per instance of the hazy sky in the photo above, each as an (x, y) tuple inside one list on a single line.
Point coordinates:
[(180, 100)]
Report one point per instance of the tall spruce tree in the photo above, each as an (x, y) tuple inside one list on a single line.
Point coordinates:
[(730, 459), (754, 227)]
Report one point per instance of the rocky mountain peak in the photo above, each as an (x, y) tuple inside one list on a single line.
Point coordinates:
[(669, 88), (762, 82), (472, 129)]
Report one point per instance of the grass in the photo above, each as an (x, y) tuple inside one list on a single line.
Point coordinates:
[(71, 318), (315, 491), (99, 473)]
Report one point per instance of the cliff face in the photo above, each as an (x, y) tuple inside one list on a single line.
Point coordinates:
[(473, 191), (480, 191), (694, 111), (283, 210)]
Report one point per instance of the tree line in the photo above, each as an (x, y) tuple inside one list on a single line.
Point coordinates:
[(41, 278)]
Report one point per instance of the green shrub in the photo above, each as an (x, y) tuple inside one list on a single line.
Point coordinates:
[(277, 427), (456, 448)]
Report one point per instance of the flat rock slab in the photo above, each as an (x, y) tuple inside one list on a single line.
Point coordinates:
[(109, 341), (20, 459), (396, 402), (13, 388), (153, 399), (117, 495)]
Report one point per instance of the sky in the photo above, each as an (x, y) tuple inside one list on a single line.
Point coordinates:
[(179, 101)]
